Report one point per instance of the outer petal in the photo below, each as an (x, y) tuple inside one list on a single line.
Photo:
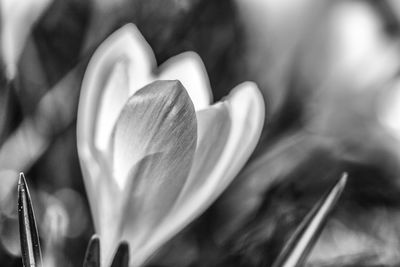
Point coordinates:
[(17, 18), (119, 67), (227, 135), (154, 144), (246, 111), (115, 95), (122, 62), (190, 71)]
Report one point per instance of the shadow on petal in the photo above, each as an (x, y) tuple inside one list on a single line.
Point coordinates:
[(227, 135), (154, 145), (244, 109)]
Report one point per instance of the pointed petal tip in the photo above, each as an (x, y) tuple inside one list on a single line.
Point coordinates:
[(94, 244), (171, 89), (340, 185), (249, 92), (343, 179), (248, 86), (173, 84), (130, 36), (129, 28), (190, 70)]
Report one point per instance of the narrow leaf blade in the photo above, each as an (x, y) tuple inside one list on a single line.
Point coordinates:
[(92, 256), (121, 258), (298, 247), (30, 245)]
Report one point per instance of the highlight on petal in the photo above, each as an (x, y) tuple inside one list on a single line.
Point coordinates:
[(116, 93), (228, 132), (17, 19), (154, 145), (189, 69), (118, 69)]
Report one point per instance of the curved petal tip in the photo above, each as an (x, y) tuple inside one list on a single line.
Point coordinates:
[(189, 69)]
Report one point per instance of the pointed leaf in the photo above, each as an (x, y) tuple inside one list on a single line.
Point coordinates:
[(121, 258), (298, 247), (92, 256), (121, 65), (30, 244)]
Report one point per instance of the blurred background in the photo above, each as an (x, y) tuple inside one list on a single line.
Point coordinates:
[(329, 74)]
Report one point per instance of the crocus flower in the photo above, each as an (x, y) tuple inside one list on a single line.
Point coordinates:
[(155, 158), (17, 19)]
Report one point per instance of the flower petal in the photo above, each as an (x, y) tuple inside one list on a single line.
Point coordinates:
[(154, 144), (227, 135), (245, 110), (214, 125), (119, 67), (124, 61), (115, 95), (189, 69), (159, 118)]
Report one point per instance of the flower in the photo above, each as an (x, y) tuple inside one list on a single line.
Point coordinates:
[(155, 158), (17, 18)]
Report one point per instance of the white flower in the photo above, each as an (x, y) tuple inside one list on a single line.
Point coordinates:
[(137, 193)]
